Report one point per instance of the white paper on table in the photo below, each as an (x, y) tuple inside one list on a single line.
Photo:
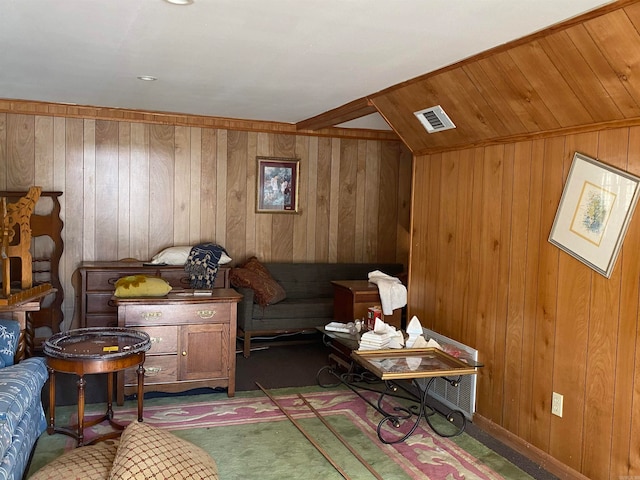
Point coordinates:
[(379, 326), (419, 342), (433, 344), (414, 328)]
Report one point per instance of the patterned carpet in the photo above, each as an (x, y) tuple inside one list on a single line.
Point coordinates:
[(250, 437)]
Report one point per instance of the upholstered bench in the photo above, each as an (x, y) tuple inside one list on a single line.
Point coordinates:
[(143, 452)]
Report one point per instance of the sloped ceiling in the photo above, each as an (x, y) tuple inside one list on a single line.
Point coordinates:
[(276, 60), (583, 73)]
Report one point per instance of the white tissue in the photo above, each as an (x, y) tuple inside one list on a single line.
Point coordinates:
[(419, 342), (382, 336), (433, 344), (397, 340), (380, 326), (415, 332), (414, 327)]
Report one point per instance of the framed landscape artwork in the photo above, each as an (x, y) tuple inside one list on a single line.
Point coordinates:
[(595, 209), (277, 185)]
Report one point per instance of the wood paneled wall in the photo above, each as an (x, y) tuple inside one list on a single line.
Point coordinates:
[(563, 79), (131, 189), (483, 272)]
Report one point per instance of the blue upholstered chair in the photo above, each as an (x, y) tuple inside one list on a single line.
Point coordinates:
[(22, 418), (9, 335)]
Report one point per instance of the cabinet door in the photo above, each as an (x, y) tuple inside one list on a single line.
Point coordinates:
[(204, 351)]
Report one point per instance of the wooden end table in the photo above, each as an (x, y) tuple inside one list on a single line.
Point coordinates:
[(352, 299), (94, 350)]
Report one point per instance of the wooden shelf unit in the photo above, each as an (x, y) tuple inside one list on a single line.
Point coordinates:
[(46, 261)]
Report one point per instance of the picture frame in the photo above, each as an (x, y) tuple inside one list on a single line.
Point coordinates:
[(392, 364), (594, 213), (277, 185)]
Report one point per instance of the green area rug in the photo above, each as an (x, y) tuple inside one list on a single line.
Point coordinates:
[(249, 437)]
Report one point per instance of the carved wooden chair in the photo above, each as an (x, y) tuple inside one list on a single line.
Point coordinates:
[(17, 215)]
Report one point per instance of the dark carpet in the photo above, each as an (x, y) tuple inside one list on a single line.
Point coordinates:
[(287, 364)]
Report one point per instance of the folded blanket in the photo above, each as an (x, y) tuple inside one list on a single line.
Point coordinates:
[(393, 294), (202, 264)]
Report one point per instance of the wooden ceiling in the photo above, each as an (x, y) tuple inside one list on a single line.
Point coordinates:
[(582, 74)]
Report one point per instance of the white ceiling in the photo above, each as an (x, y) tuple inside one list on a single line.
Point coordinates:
[(278, 60)]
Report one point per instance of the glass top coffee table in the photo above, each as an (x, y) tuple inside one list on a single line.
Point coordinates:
[(89, 351), (401, 373)]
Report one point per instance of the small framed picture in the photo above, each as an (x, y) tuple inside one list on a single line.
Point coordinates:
[(277, 181), (594, 213)]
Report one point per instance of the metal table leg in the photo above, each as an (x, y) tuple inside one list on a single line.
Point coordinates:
[(328, 377)]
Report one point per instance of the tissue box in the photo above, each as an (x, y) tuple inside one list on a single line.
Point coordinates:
[(372, 314)]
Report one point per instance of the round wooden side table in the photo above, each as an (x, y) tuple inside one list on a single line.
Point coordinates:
[(94, 350)]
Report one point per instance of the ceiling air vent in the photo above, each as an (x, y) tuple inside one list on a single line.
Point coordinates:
[(434, 119)]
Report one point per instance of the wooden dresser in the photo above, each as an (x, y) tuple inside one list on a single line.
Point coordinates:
[(94, 286), (193, 341)]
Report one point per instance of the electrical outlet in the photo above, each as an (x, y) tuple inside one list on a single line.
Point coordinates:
[(556, 404)]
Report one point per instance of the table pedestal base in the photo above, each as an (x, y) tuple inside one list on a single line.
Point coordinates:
[(76, 431)]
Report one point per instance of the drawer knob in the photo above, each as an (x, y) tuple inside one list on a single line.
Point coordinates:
[(156, 339), (151, 314), (206, 313), (184, 354), (152, 371)]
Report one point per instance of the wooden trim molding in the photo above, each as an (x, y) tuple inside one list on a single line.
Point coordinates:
[(533, 453), (592, 127), (139, 116), (350, 111)]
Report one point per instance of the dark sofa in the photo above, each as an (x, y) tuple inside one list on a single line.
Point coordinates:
[(309, 297)]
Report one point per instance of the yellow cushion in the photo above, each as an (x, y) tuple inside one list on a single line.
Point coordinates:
[(147, 452), (85, 463), (141, 286)]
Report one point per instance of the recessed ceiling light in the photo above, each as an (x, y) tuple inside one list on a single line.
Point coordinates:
[(180, 2), (147, 78)]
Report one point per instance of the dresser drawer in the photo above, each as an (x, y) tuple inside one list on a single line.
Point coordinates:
[(142, 315), (101, 303), (164, 339), (176, 278), (100, 321), (104, 280), (158, 369)]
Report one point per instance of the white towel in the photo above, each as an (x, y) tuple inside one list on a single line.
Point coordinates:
[(393, 294)]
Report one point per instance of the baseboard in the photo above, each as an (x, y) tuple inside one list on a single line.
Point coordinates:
[(523, 447)]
